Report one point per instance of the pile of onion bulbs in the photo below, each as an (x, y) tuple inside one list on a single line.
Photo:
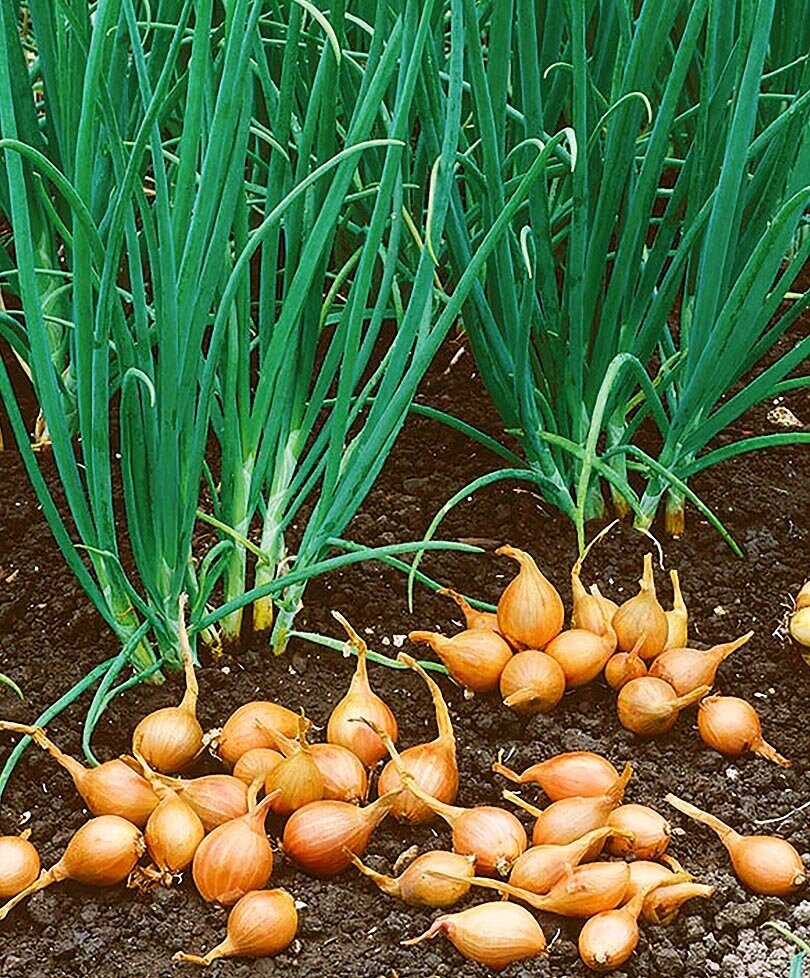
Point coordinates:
[(586, 852)]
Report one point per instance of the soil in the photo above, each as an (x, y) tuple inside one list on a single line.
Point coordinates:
[(50, 636)]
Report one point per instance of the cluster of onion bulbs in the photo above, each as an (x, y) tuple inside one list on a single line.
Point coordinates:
[(154, 822)]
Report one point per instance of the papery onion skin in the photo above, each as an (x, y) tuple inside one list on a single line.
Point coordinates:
[(344, 777), (530, 611), (532, 682), (569, 775), (418, 885), (216, 798), (581, 654), (650, 707), (651, 832), (622, 667), (493, 934), (494, 836), (663, 905), (172, 834), (644, 873), (297, 780), (799, 626), (540, 867), (262, 924), (608, 939), (245, 729), (642, 618), (677, 618), (731, 726), (686, 669), (473, 618), (475, 658), (19, 865), (257, 762)]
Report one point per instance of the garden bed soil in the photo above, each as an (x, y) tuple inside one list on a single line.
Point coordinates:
[(50, 636)]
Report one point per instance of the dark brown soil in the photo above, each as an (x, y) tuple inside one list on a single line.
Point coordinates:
[(50, 637)]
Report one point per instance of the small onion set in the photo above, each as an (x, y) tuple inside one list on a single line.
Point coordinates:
[(593, 856)]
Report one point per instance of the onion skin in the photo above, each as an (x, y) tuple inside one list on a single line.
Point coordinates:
[(532, 682), (172, 834), (663, 905), (530, 611), (540, 867), (644, 874), (475, 658), (493, 934), (577, 773), (297, 780), (765, 864), (102, 852), (649, 832), (622, 667), (263, 923), (322, 836), (19, 865), (650, 707), (342, 771), (257, 762), (473, 618), (242, 732), (345, 725), (677, 618), (686, 669), (642, 618), (581, 654), (731, 726), (418, 885), (216, 798), (235, 858), (799, 626)]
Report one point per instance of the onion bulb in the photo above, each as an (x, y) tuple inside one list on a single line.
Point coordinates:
[(235, 858), (473, 618), (169, 739), (262, 924), (642, 617), (686, 669), (257, 762), (731, 726), (648, 833), (112, 788), (664, 904), (432, 765), (645, 872), (609, 607), (650, 707), (475, 658), (677, 618), (19, 864), (608, 939), (360, 703), (582, 654), (493, 934), (297, 780), (570, 818), (765, 864), (343, 774), (530, 611), (418, 886), (242, 732), (532, 682), (540, 867), (102, 852), (590, 610), (624, 666), (799, 624), (216, 798), (321, 836), (577, 773)]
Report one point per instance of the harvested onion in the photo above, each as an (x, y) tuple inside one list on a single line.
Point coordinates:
[(765, 864), (686, 669), (677, 618), (418, 886), (650, 707), (297, 780), (216, 798), (642, 617), (664, 904), (532, 682), (342, 771), (493, 934), (799, 623), (432, 765), (576, 773), (102, 852), (648, 833), (581, 654), (540, 867), (19, 864), (360, 703), (731, 726), (530, 611), (624, 666), (242, 732), (473, 618), (262, 924), (590, 610), (255, 763), (475, 658)]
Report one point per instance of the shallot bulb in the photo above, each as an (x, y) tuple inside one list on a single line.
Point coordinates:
[(624, 666), (677, 618), (322, 836), (169, 739), (609, 607), (19, 864), (242, 732), (590, 610), (263, 923), (360, 703), (432, 765), (342, 771), (664, 904), (102, 852), (235, 858), (650, 707), (582, 654), (257, 763), (645, 873), (297, 780), (799, 623), (686, 669), (493, 934), (648, 833), (765, 864), (472, 616), (216, 798), (577, 773), (112, 788), (731, 726), (569, 819), (540, 867), (475, 658), (642, 617), (532, 682), (530, 611), (418, 886)]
